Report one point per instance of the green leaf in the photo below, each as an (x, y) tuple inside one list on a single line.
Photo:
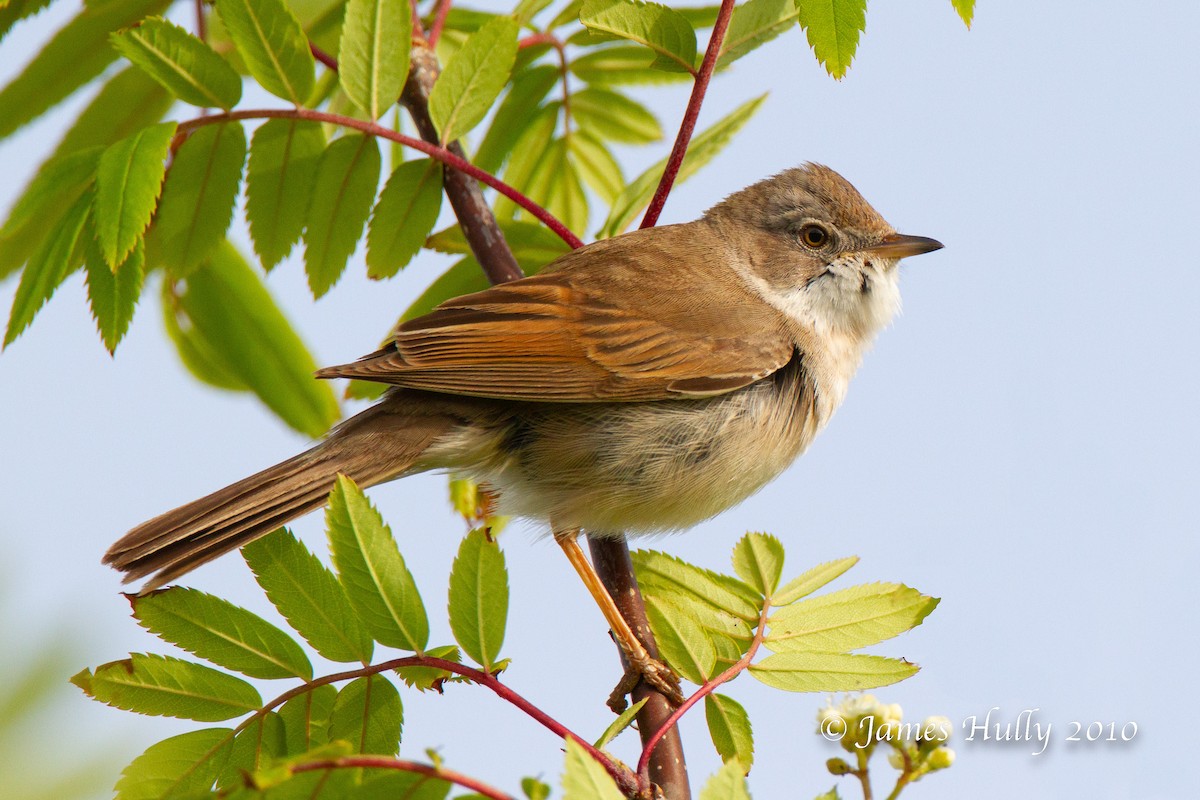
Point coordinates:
[(615, 117), (221, 632), (198, 198), (527, 156), (114, 295), (618, 725), (402, 786), (373, 53), (728, 783), (377, 581), (306, 719), (40, 211), (832, 794), (758, 560), (130, 101), (596, 165), (13, 11), (424, 678), (532, 243), (369, 715), (584, 779), (535, 789), (178, 766), (812, 580), (718, 591), (833, 28), (965, 9), (128, 181), (556, 186), (729, 727), (347, 177), (848, 619), (206, 364), (188, 67), (662, 29), (830, 672), (227, 306), (78, 52), (284, 154), (702, 150), (406, 212), (753, 24), (270, 40), (256, 745), (48, 268), (479, 598), (171, 687), (622, 65), (473, 78), (308, 596), (681, 641), (529, 88)]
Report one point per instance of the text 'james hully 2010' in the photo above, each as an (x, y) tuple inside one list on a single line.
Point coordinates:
[(1026, 727)]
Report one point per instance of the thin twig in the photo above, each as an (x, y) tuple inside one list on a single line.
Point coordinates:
[(320, 55), (201, 22), (403, 765), (439, 22), (684, 137)]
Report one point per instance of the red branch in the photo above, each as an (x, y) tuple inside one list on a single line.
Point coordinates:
[(439, 22), (384, 762), (320, 55), (439, 153), (684, 137)]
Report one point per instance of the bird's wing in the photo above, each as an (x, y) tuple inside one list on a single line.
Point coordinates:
[(553, 337)]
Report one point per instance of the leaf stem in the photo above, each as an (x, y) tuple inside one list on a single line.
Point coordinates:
[(439, 153), (403, 765), (325, 58), (439, 22), (690, 116)]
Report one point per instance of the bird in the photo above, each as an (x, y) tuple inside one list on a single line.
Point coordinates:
[(639, 384)]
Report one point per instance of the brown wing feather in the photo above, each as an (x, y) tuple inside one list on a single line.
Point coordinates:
[(554, 337)]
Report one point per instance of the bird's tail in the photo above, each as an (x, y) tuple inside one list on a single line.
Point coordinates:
[(371, 448)]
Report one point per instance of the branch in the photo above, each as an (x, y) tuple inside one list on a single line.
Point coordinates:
[(684, 137), (446, 155), (400, 764), (439, 22)]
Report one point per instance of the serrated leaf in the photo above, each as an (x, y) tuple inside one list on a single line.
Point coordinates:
[(729, 727), (706, 586), (722, 626), (271, 42), (178, 766), (830, 672), (373, 53), (306, 719), (79, 51), (596, 165), (406, 212), (848, 619), (369, 715), (130, 101), (188, 67), (284, 154), (221, 632), (753, 24), (681, 641), (13, 11), (662, 29), (527, 156), (833, 28), (227, 306), (256, 745), (965, 9), (171, 687), (48, 267), (758, 560), (198, 198), (556, 186), (728, 783), (703, 149), (812, 580), (370, 566), (129, 178), (473, 78), (615, 117), (342, 193), (529, 88), (308, 596), (114, 295), (42, 207), (622, 65), (618, 725), (535, 789), (584, 779), (479, 598), (425, 678)]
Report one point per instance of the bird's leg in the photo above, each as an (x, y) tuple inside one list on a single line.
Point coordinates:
[(641, 665)]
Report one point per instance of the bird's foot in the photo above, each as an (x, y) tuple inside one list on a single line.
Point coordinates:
[(641, 667)]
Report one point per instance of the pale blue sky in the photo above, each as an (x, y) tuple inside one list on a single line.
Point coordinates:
[(1021, 443)]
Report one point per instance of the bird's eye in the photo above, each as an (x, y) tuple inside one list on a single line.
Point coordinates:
[(814, 236)]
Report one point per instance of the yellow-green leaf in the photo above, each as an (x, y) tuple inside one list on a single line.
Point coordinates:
[(284, 154), (848, 619), (758, 560), (729, 727), (342, 194), (662, 29), (812, 580), (615, 117), (114, 295), (177, 766), (755, 23), (128, 181), (584, 779), (171, 687), (681, 641), (479, 598), (406, 212), (186, 66), (833, 28), (830, 672), (473, 78), (270, 40), (373, 53), (728, 783)]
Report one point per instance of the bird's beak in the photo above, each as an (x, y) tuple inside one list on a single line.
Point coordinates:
[(899, 245)]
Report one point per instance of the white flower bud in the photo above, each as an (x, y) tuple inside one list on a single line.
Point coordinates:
[(936, 729)]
